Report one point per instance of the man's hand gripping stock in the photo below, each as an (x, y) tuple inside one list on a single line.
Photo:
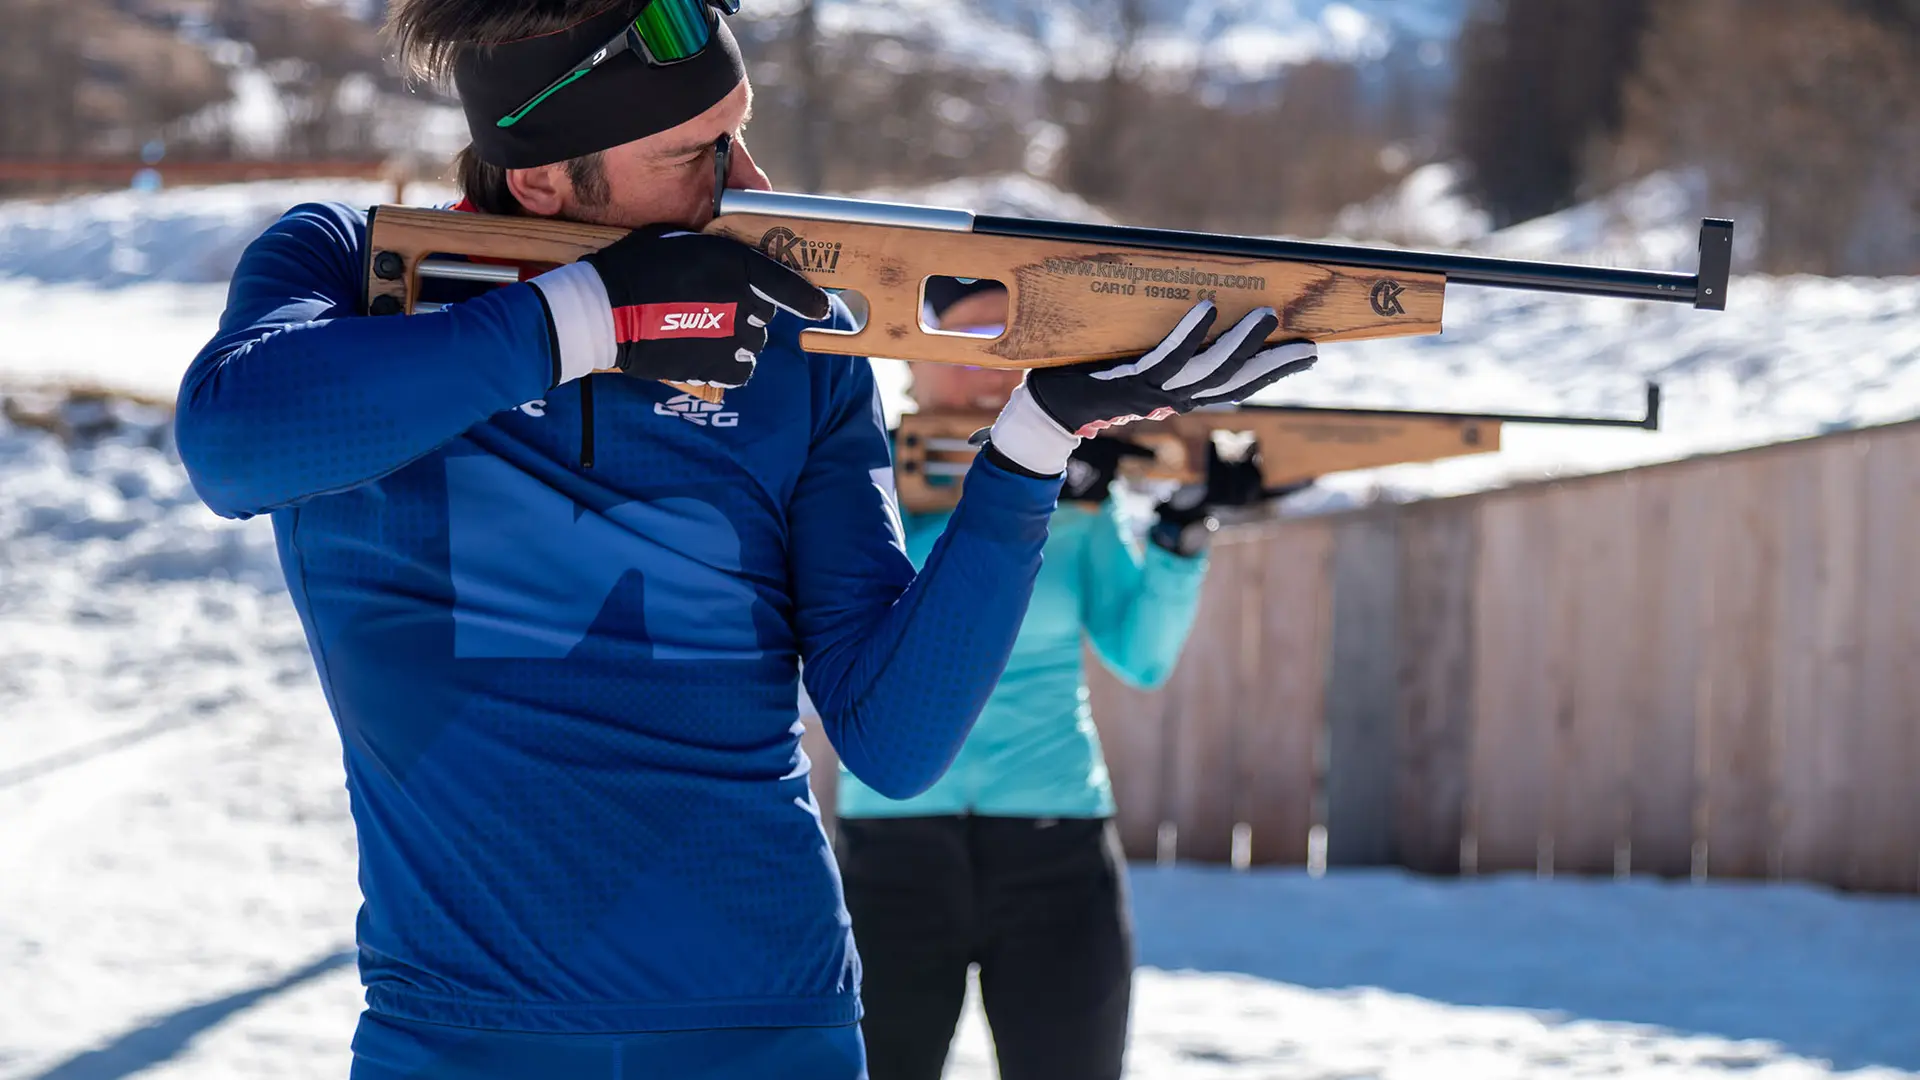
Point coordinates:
[(677, 306), (1054, 408)]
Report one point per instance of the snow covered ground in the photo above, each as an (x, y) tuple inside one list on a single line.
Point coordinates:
[(177, 868), (177, 865)]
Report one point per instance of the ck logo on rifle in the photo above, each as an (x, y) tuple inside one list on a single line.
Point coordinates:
[(1386, 298), (786, 246)]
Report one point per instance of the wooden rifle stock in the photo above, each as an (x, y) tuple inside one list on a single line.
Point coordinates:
[(1297, 443), (1076, 291), (406, 244)]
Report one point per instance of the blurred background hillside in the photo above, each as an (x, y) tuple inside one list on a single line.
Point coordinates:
[(1801, 118)]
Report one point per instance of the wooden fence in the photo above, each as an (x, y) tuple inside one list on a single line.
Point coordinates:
[(1706, 668)]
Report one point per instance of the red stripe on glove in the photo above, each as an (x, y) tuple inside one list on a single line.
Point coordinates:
[(652, 322)]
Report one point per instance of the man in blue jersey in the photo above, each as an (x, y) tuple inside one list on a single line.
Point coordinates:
[(558, 613)]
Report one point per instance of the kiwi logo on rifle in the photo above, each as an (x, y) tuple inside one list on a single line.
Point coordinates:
[(785, 246), (1386, 298)]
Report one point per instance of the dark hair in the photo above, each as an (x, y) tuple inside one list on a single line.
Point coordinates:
[(485, 184), (429, 35)]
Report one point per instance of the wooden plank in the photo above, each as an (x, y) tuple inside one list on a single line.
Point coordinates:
[(1560, 652), (1673, 560), (1816, 687), (1594, 659), (1283, 716), (1513, 706), (1135, 743), (1208, 701), (1883, 837), (1438, 557), (1738, 737), (1362, 690)]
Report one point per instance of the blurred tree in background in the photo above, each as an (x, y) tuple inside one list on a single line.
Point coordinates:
[(1149, 143), (1540, 81), (1805, 113), (1800, 117), (84, 76), (102, 78)]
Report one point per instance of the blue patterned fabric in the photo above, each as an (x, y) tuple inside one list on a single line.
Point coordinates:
[(566, 695)]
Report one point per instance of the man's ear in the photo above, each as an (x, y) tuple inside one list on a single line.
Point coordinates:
[(542, 190)]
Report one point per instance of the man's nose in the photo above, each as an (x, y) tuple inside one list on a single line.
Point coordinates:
[(742, 173)]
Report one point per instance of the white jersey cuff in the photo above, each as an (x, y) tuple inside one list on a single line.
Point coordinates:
[(582, 318), (1025, 433)]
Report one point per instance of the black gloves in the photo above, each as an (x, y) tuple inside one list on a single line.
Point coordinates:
[(686, 307), (1185, 522), (1055, 407), (1094, 466)]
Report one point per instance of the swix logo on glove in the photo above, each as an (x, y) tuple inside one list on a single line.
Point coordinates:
[(653, 322)]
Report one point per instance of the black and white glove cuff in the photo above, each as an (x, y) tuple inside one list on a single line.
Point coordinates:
[(1030, 438), (582, 317)]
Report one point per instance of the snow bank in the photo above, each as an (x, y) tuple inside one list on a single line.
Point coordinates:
[(185, 235)]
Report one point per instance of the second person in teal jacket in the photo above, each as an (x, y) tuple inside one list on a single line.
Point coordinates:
[(1034, 751), (1011, 861)]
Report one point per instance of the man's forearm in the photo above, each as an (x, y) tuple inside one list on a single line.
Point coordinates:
[(898, 700), (272, 414)]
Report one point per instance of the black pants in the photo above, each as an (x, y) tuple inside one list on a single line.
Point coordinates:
[(1040, 904)]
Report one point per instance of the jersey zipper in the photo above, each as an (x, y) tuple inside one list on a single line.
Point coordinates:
[(586, 421)]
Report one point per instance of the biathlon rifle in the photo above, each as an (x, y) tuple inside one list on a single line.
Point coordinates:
[(1297, 443), (1075, 291)]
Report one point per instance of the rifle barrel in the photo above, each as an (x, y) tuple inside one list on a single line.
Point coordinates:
[(1705, 289), (1650, 421)]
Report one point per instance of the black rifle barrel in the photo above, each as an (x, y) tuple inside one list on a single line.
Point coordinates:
[(1650, 421), (1706, 289)]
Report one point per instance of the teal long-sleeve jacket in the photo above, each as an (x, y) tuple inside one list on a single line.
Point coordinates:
[(1034, 751)]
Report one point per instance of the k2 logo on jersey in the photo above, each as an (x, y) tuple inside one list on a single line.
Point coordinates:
[(697, 411), (652, 322)]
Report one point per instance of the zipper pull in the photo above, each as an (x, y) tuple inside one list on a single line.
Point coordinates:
[(586, 421)]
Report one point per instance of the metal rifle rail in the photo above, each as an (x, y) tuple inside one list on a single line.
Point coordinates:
[(1705, 289), (1649, 422)]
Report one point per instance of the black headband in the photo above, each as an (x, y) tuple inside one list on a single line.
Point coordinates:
[(620, 101)]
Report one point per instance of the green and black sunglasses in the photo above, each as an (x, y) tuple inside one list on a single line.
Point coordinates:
[(666, 32)]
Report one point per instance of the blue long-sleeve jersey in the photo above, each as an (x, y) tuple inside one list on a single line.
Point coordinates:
[(566, 692)]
